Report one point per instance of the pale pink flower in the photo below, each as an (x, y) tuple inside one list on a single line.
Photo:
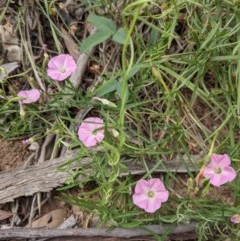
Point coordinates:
[(219, 170), (25, 142), (28, 141), (61, 67), (91, 131), (235, 218), (149, 195), (29, 96)]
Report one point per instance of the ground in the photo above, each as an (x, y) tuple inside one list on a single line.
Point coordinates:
[(13, 154), (164, 78), (54, 211)]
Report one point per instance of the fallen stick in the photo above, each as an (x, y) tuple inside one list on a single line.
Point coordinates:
[(96, 232), (44, 177), (82, 62), (38, 178)]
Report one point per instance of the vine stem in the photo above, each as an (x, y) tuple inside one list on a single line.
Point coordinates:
[(126, 70)]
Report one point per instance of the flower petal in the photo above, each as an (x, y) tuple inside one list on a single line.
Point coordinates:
[(222, 160), (140, 200), (162, 195), (29, 96), (230, 173), (89, 141), (235, 218), (219, 170), (58, 63), (155, 184), (91, 131), (152, 205), (150, 194), (209, 172), (99, 135), (218, 180), (142, 187)]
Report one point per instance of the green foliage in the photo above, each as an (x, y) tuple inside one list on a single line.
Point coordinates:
[(93, 40), (106, 28), (175, 89), (120, 36), (102, 23)]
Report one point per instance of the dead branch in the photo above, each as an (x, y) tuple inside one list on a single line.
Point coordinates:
[(95, 232), (82, 62), (38, 178), (45, 176)]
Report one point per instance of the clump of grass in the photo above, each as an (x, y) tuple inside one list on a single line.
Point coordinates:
[(175, 90)]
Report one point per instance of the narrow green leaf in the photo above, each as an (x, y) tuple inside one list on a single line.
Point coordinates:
[(102, 23), (93, 40), (120, 36), (119, 86), (135, 68), (154, 37), (106, 87), (211, 35)]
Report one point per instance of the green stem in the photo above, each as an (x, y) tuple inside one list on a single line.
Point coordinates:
[(126, 70)]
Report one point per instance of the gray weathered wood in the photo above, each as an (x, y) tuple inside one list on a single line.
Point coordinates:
[(45, 176), (94, 232), (38, 178)]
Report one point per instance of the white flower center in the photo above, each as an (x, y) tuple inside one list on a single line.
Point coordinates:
[(150, 194), (62, 70), (217, 170)]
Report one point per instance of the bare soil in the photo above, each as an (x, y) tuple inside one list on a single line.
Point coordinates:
[(13, 154)]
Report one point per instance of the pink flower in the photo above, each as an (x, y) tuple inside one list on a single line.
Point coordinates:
[(25, 142), (29, 96), (91, 131), (150, 194), (61, 67), (235, 218), (28, 141), (219, 170)]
